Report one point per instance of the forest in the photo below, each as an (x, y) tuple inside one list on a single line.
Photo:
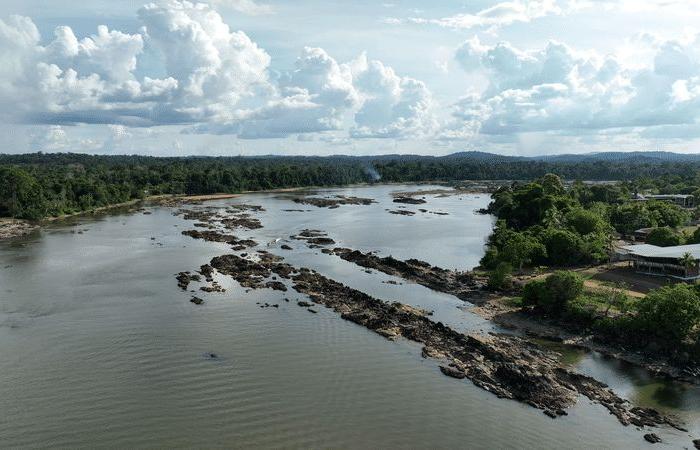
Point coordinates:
[(35, 186)]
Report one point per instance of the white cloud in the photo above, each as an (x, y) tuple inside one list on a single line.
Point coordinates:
[(393, 106), (559, 89), (245, 6), (321, 95), (214, 79), (498, 15)]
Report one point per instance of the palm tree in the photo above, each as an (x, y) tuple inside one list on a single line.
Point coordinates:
[(687, 261)]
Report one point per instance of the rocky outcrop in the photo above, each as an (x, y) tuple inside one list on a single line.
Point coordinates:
[(185, 278), (507, 366), (409, 200), (215, 236), (333, 202), (460, 284)]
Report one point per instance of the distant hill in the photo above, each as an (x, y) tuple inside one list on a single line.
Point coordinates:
[(638, 156)]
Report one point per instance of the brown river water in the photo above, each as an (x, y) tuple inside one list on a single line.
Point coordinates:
[(100, 348)]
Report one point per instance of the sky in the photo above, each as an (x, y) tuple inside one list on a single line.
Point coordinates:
[(360, 77)]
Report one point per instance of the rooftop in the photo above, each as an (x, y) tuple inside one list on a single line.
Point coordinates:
[(654, 251)]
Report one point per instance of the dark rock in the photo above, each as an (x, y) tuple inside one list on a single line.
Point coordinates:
[(334, 202), (696, 443), (409, 200), (652, 437), (196, 300), (304, 304), (452, 372), (285, 247)]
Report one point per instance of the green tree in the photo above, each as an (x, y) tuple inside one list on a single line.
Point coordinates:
[(564, 247), (520, 249), (500, 277), (664, 237), (585, 221), (688, 262), (670, 313), (21, 195), (628, 217), (554, 293)]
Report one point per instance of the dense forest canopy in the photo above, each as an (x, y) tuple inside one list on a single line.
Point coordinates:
[(38, 185)]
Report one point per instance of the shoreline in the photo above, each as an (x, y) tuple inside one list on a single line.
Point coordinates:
[(495, 308), (22, 227)]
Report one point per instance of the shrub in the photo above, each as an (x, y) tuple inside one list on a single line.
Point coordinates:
[(554, 293), (664, 237), (500, 278), (670, 313), (533, 292)]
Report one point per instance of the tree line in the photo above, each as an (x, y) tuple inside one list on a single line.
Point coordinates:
[(37, 185)]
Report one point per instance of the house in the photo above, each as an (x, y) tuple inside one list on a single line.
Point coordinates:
[(679, 262)]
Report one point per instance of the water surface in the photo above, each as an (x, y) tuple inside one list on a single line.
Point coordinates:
[(100, 348)]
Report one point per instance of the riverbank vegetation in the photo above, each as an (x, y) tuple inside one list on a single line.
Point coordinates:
[(35, 186), (544, 226), (665, 321)]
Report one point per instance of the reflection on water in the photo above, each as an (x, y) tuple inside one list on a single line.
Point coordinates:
[(99, 347), (636, 383)]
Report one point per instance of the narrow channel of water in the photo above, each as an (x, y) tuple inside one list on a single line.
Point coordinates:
[(100, 348)]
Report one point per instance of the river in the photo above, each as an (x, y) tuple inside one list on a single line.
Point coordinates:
[(100, 348)]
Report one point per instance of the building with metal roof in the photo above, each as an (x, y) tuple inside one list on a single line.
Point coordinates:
[(679, 262), (683, 200)]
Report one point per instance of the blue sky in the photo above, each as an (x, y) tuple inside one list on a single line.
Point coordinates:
[(232, 77)]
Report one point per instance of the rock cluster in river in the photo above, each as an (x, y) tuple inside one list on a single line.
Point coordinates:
[(409, 200), (333, 202), (314, 238), (460, 284), (507, 366)]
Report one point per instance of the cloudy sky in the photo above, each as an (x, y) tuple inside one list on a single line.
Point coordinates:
[(232, 77)]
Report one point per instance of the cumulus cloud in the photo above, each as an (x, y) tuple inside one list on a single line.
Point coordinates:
[(393, 106), (498, 15), (214, 79), (245, 6), (321, 95), (559, 89), (210, 70)]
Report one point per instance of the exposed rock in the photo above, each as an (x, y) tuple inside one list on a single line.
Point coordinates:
[(409, 200), (452, 372), (215, 236), (314, 238), (334, 202), (460, 284), (196, 300), (185, 278), (402, 212), (505, 365), (652, 437), (696, 443), (10, 228), (285, 247)]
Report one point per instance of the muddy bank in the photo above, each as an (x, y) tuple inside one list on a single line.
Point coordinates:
[(10, 228), (333, 202), (507, 366), (464, 285)]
